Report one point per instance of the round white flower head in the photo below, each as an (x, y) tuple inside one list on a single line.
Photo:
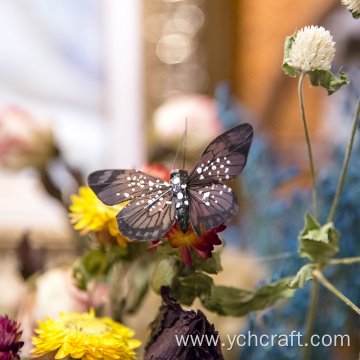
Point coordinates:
[(312, 49), (352, 5)]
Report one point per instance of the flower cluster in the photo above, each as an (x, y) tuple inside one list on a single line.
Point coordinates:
[(9, 339), (84, 336), (312, 49)]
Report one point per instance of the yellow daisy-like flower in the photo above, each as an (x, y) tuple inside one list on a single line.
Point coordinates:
[(86, 337), (88, 213)]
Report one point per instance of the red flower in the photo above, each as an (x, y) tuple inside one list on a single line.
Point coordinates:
[(157, 169), (203, 245)]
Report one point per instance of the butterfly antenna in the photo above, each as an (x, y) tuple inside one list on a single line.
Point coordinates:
[(185, 137), (177, 152)]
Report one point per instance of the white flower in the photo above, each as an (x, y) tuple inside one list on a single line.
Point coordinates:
[(312, 49), (352, 5)]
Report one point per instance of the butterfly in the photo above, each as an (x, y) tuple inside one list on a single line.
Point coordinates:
[(198, 198)]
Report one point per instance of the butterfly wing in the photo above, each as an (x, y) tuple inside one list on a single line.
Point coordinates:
[(211, 202), (116, 186), (148, 217), (211, 206), (224, 158)]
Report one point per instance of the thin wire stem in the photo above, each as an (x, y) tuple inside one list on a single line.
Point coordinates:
[(345, 261), (310, 319), (185, 138), (178, 150), (319, 276), (345, 166), (315, 202)]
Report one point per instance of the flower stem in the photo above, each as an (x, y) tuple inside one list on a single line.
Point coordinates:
[(345, 261), (319, 276), (310, 320), (315, 202), (49, 185), (345, 165)]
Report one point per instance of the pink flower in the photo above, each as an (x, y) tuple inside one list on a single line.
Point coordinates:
[(24, 140), (202, 117)]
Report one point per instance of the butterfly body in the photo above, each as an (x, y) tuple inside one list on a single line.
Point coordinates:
[(178, 180), (199, 198)]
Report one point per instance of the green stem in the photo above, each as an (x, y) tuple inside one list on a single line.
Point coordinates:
[(315, 202), (345, 261), (91, 292), (345, 166), (310, 320), (319, 276)]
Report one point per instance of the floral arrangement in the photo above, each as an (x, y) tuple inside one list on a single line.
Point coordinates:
[(181, 266)]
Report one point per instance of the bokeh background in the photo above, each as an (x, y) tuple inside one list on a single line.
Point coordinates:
[(107, 84)]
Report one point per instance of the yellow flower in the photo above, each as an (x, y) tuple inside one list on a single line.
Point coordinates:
[(88, 213), (84, 336)]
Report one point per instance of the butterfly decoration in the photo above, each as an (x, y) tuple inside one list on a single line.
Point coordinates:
[(198, 198)]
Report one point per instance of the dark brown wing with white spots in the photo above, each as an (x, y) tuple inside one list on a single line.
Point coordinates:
[(116, 186), (224, 158), (148, 217), (211, 205)]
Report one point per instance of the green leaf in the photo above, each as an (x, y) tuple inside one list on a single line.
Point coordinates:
[(167, 250), (231, 301), (316, 242), (93, 260), (80, 276), (119, 251), (355, 14), (302, 277), (211, 265), (165, 271), (288, 70), (186, 289), (328, 80), (139, 287), (92, 263)]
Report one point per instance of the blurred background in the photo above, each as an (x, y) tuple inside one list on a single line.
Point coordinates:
[(86, 85)]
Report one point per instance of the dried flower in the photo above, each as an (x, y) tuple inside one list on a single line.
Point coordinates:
[(312, 49), (172, 324), (88, 213), (24, 140), (84, 336), (352, 5), (9, 339), (203, 245)]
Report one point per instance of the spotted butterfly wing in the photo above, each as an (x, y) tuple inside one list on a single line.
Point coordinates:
[(116, 186), (224, 158), (150, 212), (148, 217), (212, 202)]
